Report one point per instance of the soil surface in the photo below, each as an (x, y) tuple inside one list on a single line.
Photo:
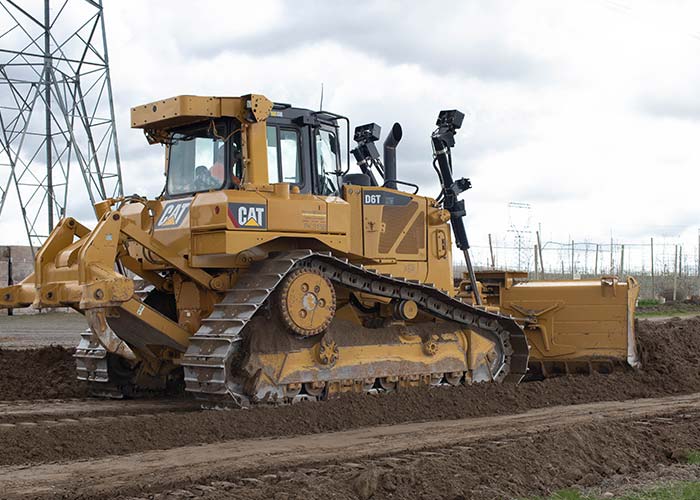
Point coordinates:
[(43, 373), (605, 440), (467, 458)]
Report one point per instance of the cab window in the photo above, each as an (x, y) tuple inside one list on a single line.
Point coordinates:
[(196, 164), (326, 162), (197, 159), (283, 155)]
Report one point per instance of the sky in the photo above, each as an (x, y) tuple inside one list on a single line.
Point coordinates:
[(588, 111)]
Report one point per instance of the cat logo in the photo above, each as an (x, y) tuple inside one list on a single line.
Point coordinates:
[(248, 215), (174, 214)]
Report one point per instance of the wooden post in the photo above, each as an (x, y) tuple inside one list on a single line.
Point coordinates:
[(622, 260), (595, 267), (612, 258), (10, 281), (572, 260), (493, 260), (539, 249), (653, 288), (675, 272)]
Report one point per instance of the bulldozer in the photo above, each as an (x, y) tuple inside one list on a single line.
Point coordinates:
[(269, 271)]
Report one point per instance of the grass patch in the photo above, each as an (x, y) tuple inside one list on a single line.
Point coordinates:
[(666, 313), (694, 457), (570, 495), (672, 491), (647, 302)]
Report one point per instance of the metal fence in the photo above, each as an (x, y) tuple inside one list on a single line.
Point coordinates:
[(664, 266)]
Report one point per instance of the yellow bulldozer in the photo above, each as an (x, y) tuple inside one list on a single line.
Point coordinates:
[(267, 271)]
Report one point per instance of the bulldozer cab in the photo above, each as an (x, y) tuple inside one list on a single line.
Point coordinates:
[(302, 149)]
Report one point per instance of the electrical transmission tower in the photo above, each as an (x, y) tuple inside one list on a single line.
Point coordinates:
[(519, 220), (56, 111)]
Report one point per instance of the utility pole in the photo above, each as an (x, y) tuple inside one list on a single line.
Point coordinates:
[(536, 264), (612, 258), (653, 288), (493, 260), (539, 249), (622, 260), (595, 266), (573, 271), (10, 281), (675, 272)]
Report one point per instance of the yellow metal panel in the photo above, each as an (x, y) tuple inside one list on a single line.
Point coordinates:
[(255, 154), (212, 243), (339, 217), (412, 270), (209, 211), (174, 111), (299, 213), (574, 319), (353, 195), (394, 224)]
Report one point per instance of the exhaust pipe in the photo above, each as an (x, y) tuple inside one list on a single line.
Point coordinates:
[(392, 140)]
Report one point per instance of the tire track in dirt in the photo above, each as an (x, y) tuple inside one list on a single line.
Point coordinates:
[(50, 411), (167, 469)]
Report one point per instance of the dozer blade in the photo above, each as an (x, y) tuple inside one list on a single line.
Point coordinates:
[(576, 326)]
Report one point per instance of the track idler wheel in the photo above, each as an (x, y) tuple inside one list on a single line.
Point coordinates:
[(307, 302)]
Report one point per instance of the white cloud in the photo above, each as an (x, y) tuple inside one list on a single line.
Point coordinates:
[(587, 111)]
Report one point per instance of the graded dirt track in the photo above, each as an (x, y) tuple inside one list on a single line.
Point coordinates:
[(672, 367), (158, 470), (77, 430)]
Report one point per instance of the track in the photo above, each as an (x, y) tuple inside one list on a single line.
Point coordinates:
[(56, 412), (167, 469), (208, 360)]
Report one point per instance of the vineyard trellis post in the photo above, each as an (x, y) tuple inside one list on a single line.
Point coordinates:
[(653, 287)]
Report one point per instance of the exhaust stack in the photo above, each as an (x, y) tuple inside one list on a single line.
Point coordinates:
[(392, 140)]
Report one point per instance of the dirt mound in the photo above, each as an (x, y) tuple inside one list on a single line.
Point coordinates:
[(672, 351), (671, 354), (46, 373)]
